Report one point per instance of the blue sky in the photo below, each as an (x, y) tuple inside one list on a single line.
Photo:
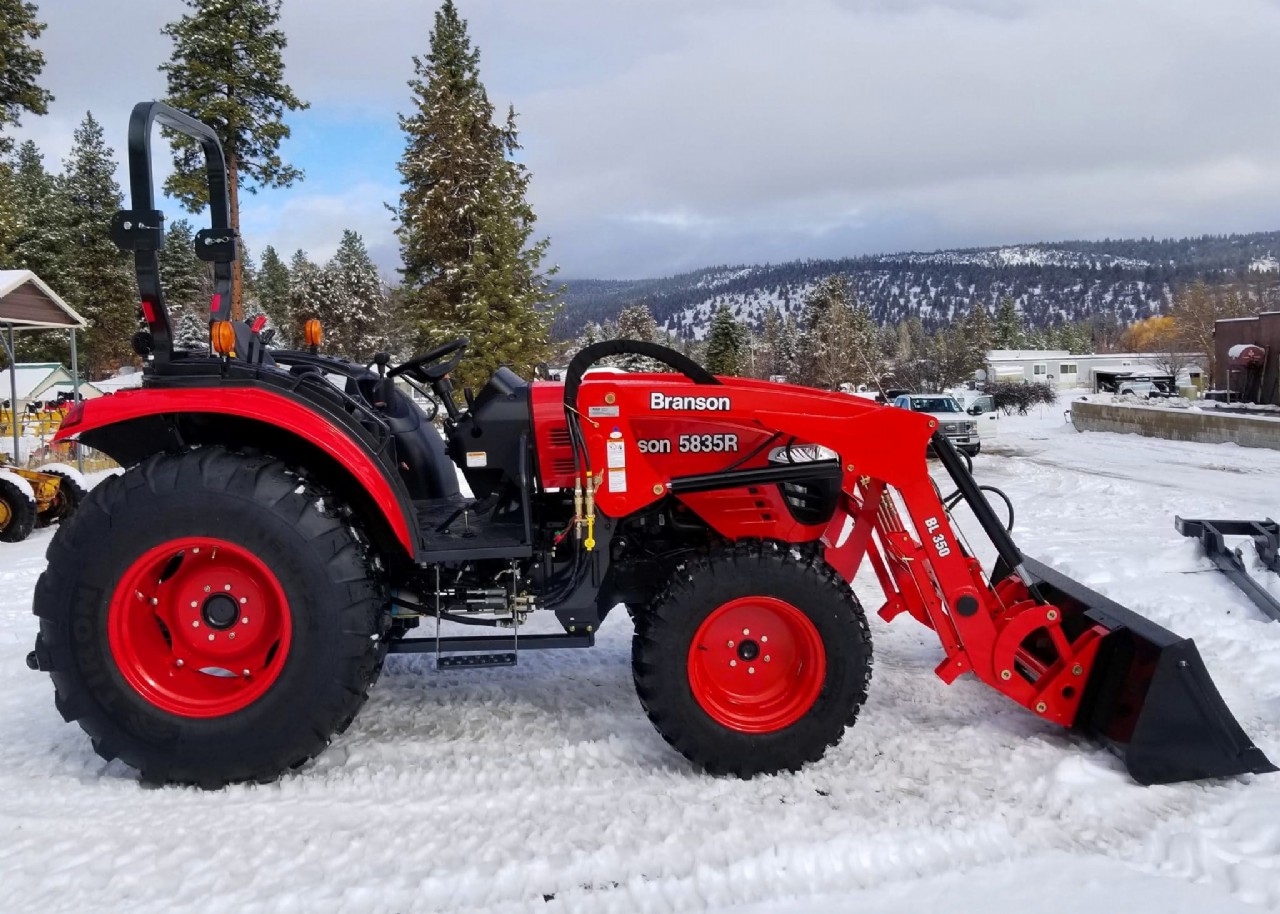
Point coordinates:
[(665, 135)]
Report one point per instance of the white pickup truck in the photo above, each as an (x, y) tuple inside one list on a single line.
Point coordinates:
[(982, 406), (959, 427)]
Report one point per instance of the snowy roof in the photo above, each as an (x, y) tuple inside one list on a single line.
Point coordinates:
[(119, 382), (1010, 355), (29, 376), (26, 302)]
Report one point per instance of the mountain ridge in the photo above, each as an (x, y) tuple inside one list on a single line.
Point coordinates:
[(1052, 282)]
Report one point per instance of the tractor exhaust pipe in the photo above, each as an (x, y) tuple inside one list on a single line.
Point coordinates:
[(1149, 697)]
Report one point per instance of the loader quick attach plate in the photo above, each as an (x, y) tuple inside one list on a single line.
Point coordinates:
[(1150, 698)]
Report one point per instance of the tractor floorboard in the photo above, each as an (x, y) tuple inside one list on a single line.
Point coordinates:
[(449, 530)]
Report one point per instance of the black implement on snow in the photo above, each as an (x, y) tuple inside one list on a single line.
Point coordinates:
[(1266, 537)]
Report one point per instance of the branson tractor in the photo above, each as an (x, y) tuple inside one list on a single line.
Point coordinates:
[(219, 611)]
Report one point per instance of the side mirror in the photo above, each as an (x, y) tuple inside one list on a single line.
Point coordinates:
[(975, 410)]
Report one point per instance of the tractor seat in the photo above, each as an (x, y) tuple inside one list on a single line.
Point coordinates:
[(419, 447)]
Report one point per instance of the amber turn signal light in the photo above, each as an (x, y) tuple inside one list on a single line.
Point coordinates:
[(313, 332), (223, 337)]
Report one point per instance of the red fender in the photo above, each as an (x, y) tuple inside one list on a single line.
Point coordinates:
[(251, 403)]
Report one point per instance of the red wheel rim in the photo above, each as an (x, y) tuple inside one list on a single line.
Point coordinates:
[(757, 664), (199, 627)]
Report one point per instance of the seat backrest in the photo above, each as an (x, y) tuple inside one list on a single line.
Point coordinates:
[(421, 458)]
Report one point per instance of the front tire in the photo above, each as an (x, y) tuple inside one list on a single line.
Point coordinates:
[(206, 620), (753, 662)]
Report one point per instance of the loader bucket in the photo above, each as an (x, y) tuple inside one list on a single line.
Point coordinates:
[(1149, 696)]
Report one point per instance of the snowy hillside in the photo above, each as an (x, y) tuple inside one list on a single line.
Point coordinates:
[(544, 787), (1051, 283)]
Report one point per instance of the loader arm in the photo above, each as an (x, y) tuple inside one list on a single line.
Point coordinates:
[(1053, 650)]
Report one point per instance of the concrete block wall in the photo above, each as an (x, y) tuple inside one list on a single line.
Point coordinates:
[(1176, 424)]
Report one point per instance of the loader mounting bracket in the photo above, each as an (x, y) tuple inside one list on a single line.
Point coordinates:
[(1266, 536)]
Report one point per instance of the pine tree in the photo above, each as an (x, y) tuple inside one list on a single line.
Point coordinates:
[(190, 330), (785, 358), (770, 344), (227, 71), (185, 278), (306, 286), (864, 351), (355, 314), (464, 221), (838, 342), (976, 338), (188, 285), (724, 345), (40, 242), (37, 239), (272, 283), (636, 322), (1008, 332), (20, 63), (97, 278)]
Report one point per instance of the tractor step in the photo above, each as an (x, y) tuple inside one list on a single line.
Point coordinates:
[(471, 660)]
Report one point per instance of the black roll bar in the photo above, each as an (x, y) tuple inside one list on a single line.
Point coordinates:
[(141, 228)]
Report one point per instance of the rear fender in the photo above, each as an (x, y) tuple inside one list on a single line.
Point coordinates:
[(130, 426)]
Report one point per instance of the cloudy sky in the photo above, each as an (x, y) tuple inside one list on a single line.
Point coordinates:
[(671, 134)]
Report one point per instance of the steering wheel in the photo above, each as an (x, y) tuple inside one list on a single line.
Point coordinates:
[(421, 368)]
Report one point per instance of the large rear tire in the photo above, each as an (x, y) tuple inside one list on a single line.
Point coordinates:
[(17, 513), (753, 662), (210, 618)]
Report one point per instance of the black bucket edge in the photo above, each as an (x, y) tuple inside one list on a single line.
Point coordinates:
[(1150, 698)]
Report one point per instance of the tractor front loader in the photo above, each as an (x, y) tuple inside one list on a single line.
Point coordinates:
[(287, 518)]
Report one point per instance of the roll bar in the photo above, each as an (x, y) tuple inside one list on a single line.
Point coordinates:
[(141, 228)]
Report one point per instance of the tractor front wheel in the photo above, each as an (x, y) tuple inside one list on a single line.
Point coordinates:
[(753, 662), (210, 618)]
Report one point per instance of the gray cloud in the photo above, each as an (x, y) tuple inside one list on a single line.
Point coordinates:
[(665, 135)]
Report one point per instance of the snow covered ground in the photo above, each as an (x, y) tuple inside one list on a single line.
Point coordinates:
[(544, 788)]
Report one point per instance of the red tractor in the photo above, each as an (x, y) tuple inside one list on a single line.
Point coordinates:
[(218, 612)]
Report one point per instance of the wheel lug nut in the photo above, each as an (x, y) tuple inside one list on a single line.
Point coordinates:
[(751, 669), (766, 658), (180, 662), (745, 632), (764, 638), (195, 623), (195, 551), (193, 604), (733, 663), (232, 635), (207, 588), (211, 636), (244, 620), (730, 644), (227, 587), (244, 599)]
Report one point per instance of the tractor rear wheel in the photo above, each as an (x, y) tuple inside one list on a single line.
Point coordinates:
[(17, 513), (210, 618), (753, 662)]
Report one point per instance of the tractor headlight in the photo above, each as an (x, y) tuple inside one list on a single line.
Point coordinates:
[(801, 453)]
